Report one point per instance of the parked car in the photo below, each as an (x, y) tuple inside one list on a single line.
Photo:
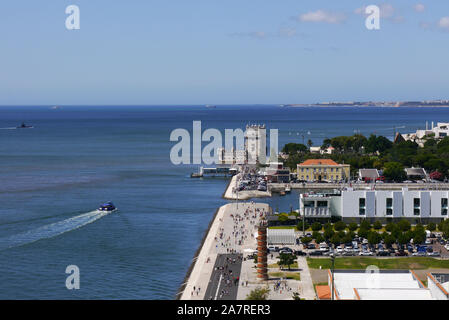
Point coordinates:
[(365, 253), (383, 253), (316, 253), (300, 253), (273, 248), (311, 246), (400, 253), (433, 254), (419, 254), (339, 250)]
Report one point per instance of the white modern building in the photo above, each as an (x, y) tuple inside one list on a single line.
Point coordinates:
[(438, 284), (439, 131), (421, 206), (378, 285), (281, 237)]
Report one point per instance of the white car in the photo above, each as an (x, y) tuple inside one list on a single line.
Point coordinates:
[(446, 247), (339, 250), (365, 253)]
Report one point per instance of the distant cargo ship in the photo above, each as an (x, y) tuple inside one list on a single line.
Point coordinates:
[(211, 106)]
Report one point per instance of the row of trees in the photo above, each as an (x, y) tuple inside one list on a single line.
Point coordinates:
[(400, 232), (379, 152)]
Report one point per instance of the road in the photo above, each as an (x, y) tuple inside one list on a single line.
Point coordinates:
[(221, 285)]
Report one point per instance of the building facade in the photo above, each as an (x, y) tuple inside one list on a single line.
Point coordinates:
[(417, 206), (313, 170)]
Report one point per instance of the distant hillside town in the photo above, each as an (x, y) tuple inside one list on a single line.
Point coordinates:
[(425, 103)]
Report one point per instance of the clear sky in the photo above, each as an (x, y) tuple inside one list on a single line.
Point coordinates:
[(221, 52)]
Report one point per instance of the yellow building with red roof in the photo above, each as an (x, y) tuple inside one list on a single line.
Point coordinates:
[(322, 170)]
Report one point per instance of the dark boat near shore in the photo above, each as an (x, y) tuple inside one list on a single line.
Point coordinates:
[(24, 126)]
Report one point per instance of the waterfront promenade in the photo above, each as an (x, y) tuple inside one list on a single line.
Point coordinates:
[(232, 231), (231, 194)]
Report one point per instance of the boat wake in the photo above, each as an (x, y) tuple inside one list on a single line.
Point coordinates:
[(51, 230), (11, 128)]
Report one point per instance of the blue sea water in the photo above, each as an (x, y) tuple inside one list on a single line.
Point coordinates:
[(54, 176)]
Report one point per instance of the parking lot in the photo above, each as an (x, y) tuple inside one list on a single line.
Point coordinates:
[(360, 247)]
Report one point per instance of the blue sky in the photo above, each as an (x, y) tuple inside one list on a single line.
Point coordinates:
[(221, 52)]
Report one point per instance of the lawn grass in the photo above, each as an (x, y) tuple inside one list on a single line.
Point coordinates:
[(294, 265), (417, 263), (286, 275)]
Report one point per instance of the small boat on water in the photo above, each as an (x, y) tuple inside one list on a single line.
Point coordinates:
[(211, 106), (24, 126), (198, 174), (282, 193), (288, 189), (195, 175), (108, 207)]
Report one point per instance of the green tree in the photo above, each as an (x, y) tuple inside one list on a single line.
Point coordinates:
[(404, 225), (316, 226), (389, 240), (283, 217), (391, 226), (353, 226), (309, 143), (365, 225), (306, 240), (286, 259), (363, 233), (258, 294), (293, 148), (299, 226), (335, 240), (373, 237), (394, 171), (328, 233), (377, 225), (339, 226), (431, 227), (320, 238)]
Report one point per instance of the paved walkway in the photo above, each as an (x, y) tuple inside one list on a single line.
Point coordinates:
[(306, 289), (233, 230)]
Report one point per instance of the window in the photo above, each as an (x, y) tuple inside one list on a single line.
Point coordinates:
[(309, 204), (322, 204), (416, 206), (362, 206), (444, 208), (336, 177), (302, 169), (389, 202), (416, 202), (332, 169), (336, 169)]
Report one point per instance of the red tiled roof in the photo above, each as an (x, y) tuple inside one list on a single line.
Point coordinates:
[(314, 162), (323, 292)]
